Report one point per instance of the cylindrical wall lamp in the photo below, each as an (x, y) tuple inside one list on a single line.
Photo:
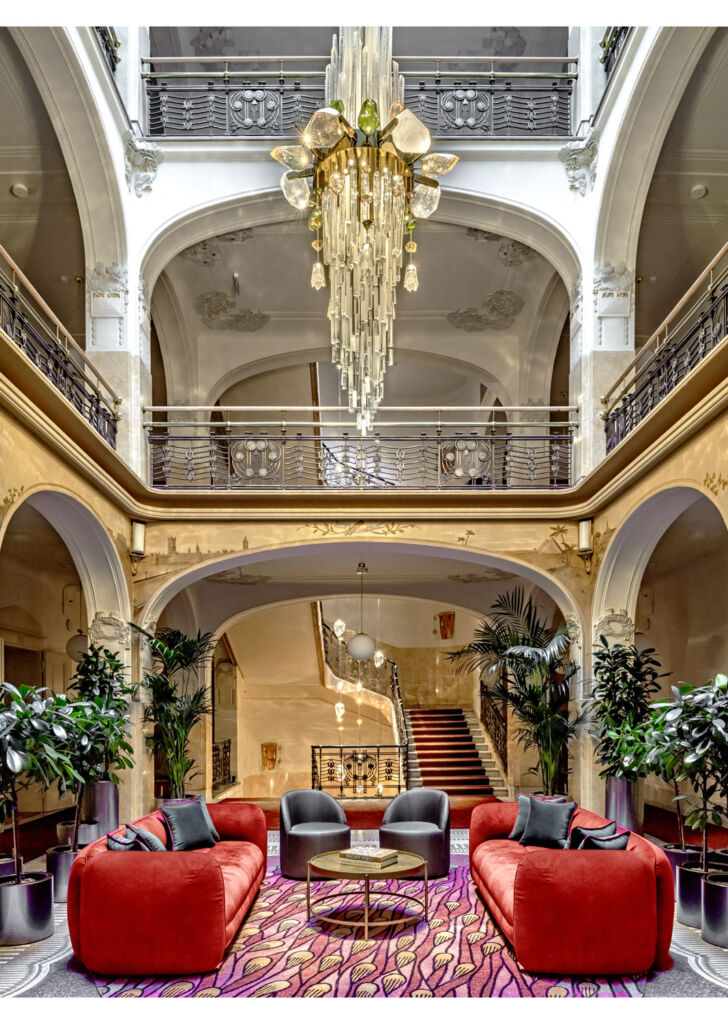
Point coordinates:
[(138, 541), (585, 547)]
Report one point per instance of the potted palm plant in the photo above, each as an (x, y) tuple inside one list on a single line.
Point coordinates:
[(693, 725), (178, 699), (93, 727), (529, 660), (625, 682), (100, 676), (33, 740)]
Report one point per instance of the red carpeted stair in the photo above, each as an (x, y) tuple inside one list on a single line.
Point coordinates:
[(447, 755)]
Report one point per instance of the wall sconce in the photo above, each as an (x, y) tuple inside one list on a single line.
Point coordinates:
[(137, 551), (585, 549)]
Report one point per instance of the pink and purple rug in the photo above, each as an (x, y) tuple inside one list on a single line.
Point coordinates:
[(459, 951)]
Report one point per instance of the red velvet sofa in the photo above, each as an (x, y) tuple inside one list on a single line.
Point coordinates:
[(167, 913), (592, 912)]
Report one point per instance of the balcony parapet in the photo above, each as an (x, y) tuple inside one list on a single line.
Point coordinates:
[(273, 98), (611, 45), (249, 451), (33, 326), (691, 331)]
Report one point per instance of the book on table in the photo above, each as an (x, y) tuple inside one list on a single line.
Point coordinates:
[(372, 856)]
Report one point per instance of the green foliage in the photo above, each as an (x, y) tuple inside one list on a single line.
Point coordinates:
[(34, 737), (178, 699), (690, 734), (626, 679), (529, 659), (99, 680)]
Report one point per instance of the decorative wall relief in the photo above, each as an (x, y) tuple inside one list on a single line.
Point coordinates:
[(141, 160), (497, 313), (238, 576), (378, 529), (580, 159), (482, 576), (209, 251), (108, 298), (218, 311), (510, 252), (715, 482), (616, 626), (109, 631), (11, 496), (613, 299), (269, 756), (483, 236)]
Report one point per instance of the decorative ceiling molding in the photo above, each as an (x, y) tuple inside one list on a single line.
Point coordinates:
[(141, 159), (498, 312), (218, 312), (207, 252), (510, 252)]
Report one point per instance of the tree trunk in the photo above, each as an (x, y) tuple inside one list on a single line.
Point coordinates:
[(680, 816), (16, 839), (77, 818)]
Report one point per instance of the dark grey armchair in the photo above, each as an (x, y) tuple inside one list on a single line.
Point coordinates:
[(418, 821), (312, 822)]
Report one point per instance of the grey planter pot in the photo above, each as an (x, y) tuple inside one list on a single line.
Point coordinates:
[(59, 861), (26, 910), (715, 909), (626, 803), (689, 895), (677, 856), (88, 831), (7, 865), (101, 804)]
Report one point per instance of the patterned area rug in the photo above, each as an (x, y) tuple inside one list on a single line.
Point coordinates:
[(457, 952)]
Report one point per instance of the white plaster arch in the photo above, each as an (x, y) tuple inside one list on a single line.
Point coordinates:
[(625, 560), (93, 552), (55, 61), (359, 550), (647, 111), (470, 209)]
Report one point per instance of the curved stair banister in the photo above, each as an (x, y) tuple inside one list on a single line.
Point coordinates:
[(495, 725)]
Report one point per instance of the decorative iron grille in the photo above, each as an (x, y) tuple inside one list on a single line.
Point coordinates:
[(494, 723), (489, 459), (62, 366), (359, 771), (221, 774), (612, 44), (110, 46)]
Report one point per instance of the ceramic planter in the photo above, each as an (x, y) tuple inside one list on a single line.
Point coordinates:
[(689, 895), (626, 803), (59, 861), (88, 831), (676, 855), (7, 866), (101, 804), (26, 910), (715, 909)]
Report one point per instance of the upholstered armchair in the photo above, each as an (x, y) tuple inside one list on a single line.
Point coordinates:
[(312, 822), (418, 821)]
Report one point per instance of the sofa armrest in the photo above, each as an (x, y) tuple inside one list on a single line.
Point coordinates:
[(133, 909), (235, 819), (493, 820), (585, 911)]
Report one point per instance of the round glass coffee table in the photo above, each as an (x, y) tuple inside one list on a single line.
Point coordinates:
[(330, 865)]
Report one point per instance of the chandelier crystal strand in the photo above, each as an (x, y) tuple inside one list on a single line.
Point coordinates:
[(364, 193)]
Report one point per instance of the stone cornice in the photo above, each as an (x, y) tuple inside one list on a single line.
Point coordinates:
[(26, 393)]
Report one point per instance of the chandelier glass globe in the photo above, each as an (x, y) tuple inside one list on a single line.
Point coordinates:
[(361, 647)]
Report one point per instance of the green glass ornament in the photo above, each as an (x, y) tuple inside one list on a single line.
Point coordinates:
[(368, 117), (409, 225), (338, 105), (315, 220)]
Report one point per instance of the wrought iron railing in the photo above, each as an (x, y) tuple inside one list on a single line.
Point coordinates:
[(110, 46), (269, 97), (694, 328), (221, 771), (40, 335), (382, 679), (360, 771), (243, 455), (611, 45), (494, 723)]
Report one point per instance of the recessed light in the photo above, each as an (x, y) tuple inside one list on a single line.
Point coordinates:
[(19, 190), (698, 191)]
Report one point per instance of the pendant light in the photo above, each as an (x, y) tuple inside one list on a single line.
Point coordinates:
[(361, 646)]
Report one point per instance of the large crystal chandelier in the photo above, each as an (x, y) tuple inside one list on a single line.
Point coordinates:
[(365, 195)]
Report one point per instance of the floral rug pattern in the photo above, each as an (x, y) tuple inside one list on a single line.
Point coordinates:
[(459, 951)]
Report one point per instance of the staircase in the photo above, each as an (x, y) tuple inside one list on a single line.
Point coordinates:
[(447, 753)]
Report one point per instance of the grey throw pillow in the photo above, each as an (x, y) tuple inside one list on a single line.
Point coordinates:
[(187, 825), (547, 824), (592, 842)]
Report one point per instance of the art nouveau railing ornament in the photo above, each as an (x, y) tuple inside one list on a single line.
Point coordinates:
[(359, 770)]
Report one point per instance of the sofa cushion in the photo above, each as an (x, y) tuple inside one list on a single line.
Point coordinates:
[(524, 808), (240, 863), (547, 824), (147, 840), (497, 862), (616, 842), (318, 828), (187, 826), (578, 833), (415, 828)]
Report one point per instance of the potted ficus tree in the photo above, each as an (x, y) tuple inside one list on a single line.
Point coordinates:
[(178, 699), (625, 680), (93, 727), (694, 725), (532, 676), (100, 677), (33, 740)]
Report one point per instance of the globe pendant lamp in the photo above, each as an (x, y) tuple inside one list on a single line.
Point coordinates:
[(361, 646)]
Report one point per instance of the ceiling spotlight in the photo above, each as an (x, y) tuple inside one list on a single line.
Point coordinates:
[(698, 191), (19, 190)]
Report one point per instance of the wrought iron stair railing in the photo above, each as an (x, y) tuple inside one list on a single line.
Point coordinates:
[(273, 97), (362, 771), (612, 45), (29, 322), (494, 723), (694, 328)]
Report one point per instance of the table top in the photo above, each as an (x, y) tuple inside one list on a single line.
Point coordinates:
[(330, 864)]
